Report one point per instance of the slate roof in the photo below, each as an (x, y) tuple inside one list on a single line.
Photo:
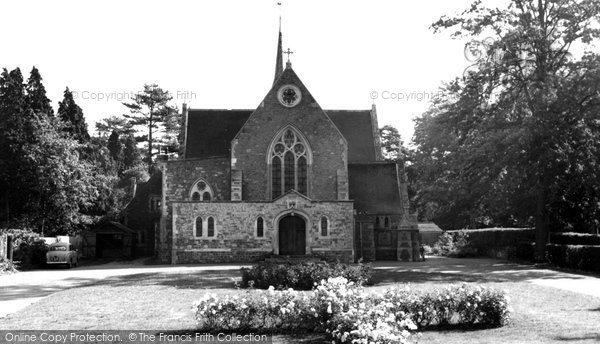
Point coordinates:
[(114, 227), (429, 227), (374, 188), (357, 129), (210, 131)]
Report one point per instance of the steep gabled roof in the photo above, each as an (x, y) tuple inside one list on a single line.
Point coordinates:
[(374, 188), (357, 128), (210, 131)]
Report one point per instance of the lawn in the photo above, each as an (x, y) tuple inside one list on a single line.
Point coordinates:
[(162, 302)]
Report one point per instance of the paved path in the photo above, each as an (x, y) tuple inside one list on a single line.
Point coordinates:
[(493, 270), (22, 289), (19, 290)]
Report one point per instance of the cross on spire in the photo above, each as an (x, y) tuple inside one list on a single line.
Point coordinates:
[(288, 52)]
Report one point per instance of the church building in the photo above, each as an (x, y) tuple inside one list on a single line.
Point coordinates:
[(285, 179)]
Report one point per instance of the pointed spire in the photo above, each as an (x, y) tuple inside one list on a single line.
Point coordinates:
[(279, 61)]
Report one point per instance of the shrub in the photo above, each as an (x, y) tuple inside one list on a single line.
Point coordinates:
[(571, 238), (454, 245), (493, 242), (301, 275), (342, 310), (30, 249), (580, 257), (7, 267)]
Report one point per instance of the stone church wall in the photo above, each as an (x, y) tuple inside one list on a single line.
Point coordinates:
[(236, 241), (179, 177), (329, 148)]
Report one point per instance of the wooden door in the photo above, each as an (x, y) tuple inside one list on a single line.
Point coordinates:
[(292, 236)]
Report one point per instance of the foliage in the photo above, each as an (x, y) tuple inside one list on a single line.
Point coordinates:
[(72, 115), (131, 154), (106, 126), (301, 275), (36, 94), (580, 257), (150, 109), (504, 144), (29, 249), (463, 305), (349, 315), (7, 267), (454, 245), (54, 178), (570, 238)]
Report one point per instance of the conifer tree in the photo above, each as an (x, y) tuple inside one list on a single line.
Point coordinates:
[(151, 110), (72, 115), (36, 94)]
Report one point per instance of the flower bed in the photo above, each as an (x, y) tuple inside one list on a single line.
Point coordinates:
[(301, 275), (346, 313)]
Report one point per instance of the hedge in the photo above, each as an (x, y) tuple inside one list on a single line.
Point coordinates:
[(302, 275), (492, 241), (581, 257), (572, 238)]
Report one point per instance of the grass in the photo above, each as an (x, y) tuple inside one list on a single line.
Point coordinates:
[(162, 302)]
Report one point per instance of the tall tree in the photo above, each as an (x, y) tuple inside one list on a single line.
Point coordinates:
[(36, 94), (115, 147), (150, 109), (509, 137), (72, 115), (119, 124), (131, 154), (16, 129)]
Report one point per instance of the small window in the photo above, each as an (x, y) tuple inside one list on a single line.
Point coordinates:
[(206, 196), (377, 223), (260, 227), (198, 227), (196, 196), (211, 227), (154, 203), (324, 226), (386, 222)]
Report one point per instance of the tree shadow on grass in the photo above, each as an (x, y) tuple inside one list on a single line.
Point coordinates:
[(462, 270), (213, 279), (592, 337)]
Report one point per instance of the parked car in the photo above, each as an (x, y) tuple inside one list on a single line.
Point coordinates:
[(62, 253)]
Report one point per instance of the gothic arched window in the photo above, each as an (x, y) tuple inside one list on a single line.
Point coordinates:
[(201, 192), (289, 159)]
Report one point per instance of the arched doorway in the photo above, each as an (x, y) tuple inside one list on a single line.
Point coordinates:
[(292, 236)]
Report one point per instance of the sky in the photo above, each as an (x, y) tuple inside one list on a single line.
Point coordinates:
[(221, 54)]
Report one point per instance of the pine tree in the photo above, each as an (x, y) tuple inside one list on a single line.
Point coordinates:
[(72, 115), (36, 94), (150, 109)]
